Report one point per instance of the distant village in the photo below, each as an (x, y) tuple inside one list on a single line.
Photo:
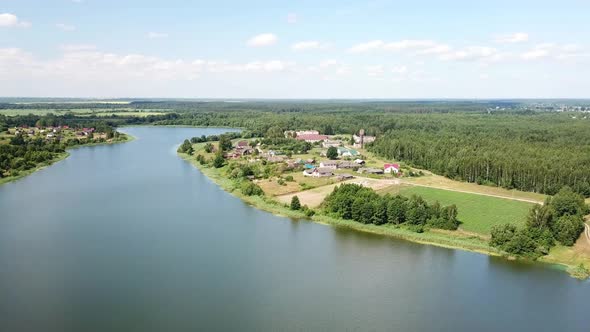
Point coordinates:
[(56, 133), (348, 156)]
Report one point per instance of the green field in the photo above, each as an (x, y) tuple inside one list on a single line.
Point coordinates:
[(477, 213), (81, 112)]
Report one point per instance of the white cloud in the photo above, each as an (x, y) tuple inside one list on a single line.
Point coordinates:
[(292, 18), (65, 27), (77, 47), (472, 53), (309, 45), (375, 70), (368, 46), (518, 37), (399, 70), (264, 39), (157, 35), (555, 51), (8, 20), (417, 46)]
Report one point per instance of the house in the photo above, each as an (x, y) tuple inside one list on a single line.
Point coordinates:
[(370, 170), (347, 164), (330, 143), (345, 152), (343, 177), (332, 164), (275, 159), (242, 145), (318, 172), (391, 168), (312, 138), (360, 141), (307, 132), (308, 166)]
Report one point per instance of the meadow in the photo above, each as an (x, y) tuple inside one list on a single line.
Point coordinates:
[(477, 213)]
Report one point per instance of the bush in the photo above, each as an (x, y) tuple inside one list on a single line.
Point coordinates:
[(251, 189), (295, 204), (567, 229)]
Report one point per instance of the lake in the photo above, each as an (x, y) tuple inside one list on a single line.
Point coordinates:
[(130, 237)]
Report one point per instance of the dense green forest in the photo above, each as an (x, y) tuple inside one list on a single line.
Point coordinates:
[(499, 143)]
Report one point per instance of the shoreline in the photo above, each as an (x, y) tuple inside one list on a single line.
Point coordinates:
[(60, 157), (435, 238)]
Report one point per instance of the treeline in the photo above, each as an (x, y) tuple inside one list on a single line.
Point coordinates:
[(22, 152), (362, 204), (559, 219), (21, 155), (540, 154)]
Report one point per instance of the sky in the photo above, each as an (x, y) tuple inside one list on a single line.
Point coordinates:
[(295, 49)]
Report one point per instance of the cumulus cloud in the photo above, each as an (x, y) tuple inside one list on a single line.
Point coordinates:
[(518, 37), (472, 53), (264, 39), (555, 51), (85, 63), (65, 27), (157, 35), (308, 45), (416, 46), (8, 20)]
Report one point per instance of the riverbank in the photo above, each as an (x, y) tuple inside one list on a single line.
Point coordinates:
[(440, 238), (59, 158)]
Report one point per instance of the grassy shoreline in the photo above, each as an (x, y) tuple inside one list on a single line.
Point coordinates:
[(59, 158), (437, 238)]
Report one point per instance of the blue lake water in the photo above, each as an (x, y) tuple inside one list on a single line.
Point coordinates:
[(130, 237)]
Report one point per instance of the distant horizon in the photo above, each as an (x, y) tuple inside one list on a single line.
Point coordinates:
[(236, 99)]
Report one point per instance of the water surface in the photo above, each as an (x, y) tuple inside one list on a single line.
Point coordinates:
[(129, 237)]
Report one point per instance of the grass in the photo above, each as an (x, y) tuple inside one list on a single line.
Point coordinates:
[(477, 213)]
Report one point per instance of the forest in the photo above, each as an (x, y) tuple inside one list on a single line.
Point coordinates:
[(497, 143)]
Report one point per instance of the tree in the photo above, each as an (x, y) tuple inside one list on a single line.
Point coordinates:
[(185, 147), (295, 204), (567, 202), (274, 132), (219, 160), (208, 147), (539, 217), (567, 229), (332, 153), (225, 143), (501, 234)]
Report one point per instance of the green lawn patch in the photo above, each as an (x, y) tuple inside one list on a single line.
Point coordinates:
[(477, 213)]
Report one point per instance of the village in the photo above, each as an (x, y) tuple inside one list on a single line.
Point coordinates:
[(63, 134), (329, 156)]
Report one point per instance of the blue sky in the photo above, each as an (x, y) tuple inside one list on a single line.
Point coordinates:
[(295, 49)]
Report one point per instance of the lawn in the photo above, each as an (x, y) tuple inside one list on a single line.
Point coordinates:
[(477, 213)]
